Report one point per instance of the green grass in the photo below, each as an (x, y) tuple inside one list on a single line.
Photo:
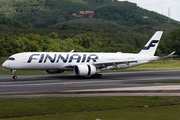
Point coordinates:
[(157, 113), (90, 108), (156, 65)]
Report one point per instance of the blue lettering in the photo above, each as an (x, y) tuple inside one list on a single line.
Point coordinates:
[(62, 58), (78, 58), (92, 57), (31, 58), (41, 59), (50, 58), (84, 58), (75, 57)]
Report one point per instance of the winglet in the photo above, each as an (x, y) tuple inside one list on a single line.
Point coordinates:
[(71, 51), (151, 46)]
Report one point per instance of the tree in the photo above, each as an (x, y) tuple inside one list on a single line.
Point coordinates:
[(53, 35)]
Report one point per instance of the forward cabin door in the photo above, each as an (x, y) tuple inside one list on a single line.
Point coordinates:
[(24, 59)]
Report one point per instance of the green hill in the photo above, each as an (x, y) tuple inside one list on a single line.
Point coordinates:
[(7, 24), (126, 13), (43, 13), (116, 26)]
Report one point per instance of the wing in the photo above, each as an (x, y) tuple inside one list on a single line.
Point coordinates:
[(102, 65)]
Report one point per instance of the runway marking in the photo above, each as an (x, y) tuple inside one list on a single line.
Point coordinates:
[(24, 82), (7, 84), (141, 88), (67, 83), (62, 82), (40, 84), (30, 84), (105, 81), (73, 83)]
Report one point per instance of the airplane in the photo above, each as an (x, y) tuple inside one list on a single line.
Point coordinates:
[(83, 63)]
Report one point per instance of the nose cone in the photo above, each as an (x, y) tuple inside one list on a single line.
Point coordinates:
[(5, 65)]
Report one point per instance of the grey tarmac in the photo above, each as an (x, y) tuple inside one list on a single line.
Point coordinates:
[(111, 84)]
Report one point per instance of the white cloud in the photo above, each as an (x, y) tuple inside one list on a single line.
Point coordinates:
[(160, 6)]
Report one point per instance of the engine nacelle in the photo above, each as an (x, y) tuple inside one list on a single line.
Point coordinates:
[(84, 70), (54, 71)]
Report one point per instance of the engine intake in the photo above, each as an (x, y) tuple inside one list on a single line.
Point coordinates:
[(84, 70)]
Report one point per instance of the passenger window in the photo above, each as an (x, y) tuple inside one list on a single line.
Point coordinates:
[(11, 58)]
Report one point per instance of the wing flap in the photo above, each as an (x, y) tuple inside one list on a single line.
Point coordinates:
[(115, 63)]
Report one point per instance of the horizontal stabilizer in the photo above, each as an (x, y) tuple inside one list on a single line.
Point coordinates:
[(170, 55)]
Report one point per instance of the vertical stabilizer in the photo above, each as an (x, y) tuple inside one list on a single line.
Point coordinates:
[(151, 46)]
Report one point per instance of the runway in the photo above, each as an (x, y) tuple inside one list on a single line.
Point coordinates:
[(111, 84)]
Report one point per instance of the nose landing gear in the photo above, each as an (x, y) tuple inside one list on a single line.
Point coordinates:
[(14, 74)]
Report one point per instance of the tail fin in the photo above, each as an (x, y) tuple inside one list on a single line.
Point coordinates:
[(151, 46)]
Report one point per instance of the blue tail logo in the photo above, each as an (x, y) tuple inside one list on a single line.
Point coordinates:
[(152, 44)]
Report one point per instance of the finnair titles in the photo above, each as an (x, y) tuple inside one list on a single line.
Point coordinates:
[(65, 59)]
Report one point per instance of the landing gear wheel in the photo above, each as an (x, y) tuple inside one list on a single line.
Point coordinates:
[(92, 76), (99, 76), (14, 77), (96, 76)]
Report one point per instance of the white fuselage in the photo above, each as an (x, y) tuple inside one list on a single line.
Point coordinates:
[(66, 61)]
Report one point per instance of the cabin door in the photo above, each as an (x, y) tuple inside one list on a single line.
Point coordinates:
[(24, 59)]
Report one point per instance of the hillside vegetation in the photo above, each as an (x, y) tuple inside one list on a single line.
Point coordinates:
[(87, 42), (47, 25), (125, 13), (43, 13)]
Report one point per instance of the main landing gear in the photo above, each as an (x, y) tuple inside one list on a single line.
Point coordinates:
[(97, 76), (14, 74)]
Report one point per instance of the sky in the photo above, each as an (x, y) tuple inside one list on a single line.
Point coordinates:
[(160, 6)]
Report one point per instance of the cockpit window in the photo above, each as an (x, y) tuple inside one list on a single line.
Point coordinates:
[(11, 58)]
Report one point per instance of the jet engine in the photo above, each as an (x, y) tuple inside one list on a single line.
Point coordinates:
[(54, 71), (84, 70)]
